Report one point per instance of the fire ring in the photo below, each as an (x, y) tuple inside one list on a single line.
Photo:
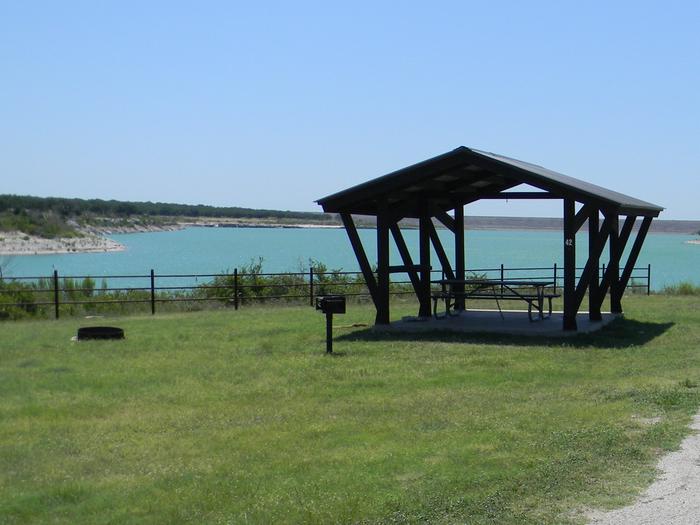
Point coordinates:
[(100, 332)]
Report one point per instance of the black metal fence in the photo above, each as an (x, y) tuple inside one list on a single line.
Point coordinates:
[(235, 288)]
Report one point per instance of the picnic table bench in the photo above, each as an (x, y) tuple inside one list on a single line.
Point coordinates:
[(532, 292)]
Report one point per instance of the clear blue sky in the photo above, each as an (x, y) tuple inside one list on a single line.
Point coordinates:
[(273, 105)]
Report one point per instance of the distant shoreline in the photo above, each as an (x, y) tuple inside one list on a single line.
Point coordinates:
[(18, 243), (93, 239)]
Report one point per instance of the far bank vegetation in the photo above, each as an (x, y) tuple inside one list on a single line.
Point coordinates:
[(52, 217)]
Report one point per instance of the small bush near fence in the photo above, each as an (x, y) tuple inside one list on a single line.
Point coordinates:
[(253, 285), (17, 300), (684, 288)]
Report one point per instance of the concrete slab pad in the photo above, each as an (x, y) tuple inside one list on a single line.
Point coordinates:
[(515, 322)]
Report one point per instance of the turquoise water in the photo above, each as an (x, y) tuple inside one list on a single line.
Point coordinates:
[(214, 250)]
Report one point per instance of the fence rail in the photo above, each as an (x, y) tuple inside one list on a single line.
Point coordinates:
[(240, 287)]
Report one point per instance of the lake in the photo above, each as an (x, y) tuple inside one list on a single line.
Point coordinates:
[(215, 250)]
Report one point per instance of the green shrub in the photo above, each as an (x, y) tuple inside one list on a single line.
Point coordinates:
[(636, 286), (46, 224), (682, 288), (17, 300)]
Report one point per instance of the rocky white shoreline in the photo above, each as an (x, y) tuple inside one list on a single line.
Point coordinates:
[(93, 238), (18, 243)]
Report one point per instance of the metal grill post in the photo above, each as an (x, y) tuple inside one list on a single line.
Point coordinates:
[(329, 333)]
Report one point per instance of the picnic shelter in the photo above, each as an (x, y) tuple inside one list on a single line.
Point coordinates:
[(439, 188)]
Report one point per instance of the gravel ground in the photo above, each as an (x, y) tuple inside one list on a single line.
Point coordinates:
[(674, 498)]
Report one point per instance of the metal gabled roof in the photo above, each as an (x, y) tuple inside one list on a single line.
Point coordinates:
[(465, 175)]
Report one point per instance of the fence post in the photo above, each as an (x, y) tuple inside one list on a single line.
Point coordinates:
[(153, 293), (502, 277), (55, 292), (555, 278), (311, 285), (649, 279), (235, 288)]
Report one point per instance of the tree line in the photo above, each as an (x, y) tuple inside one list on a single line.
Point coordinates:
[(66, 207)]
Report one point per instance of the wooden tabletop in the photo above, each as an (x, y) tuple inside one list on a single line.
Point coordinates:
[(494, 282)]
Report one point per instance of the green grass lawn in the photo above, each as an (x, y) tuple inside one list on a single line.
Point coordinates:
[(239, 417)]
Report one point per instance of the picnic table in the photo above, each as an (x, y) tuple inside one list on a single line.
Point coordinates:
[(533, 293)]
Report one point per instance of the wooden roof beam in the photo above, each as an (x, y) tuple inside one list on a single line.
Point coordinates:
[(517, 195)]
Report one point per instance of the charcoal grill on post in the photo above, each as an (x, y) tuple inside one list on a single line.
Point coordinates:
[(329, 305)]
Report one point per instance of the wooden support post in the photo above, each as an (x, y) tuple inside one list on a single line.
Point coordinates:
[(447, 221), (626, 230), (569, 265), (440, 251), (582, 216), (613, 272), (618, 239), (595, 250), (406, 257), (382, 302), (634, 254), (460, 261), (594, 241), (356, 244), (424, 251)]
